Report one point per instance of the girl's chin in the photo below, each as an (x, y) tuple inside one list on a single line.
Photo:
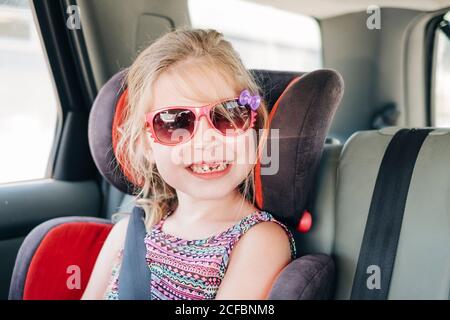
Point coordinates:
[(208, 190)]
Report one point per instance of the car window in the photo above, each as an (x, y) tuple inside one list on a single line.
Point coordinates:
[(28, 110), (441, 75), (265, 37)]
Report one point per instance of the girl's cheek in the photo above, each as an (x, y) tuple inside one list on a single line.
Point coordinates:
[(245, 149), (162, 155)]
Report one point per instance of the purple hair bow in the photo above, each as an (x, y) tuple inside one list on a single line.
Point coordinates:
[(247, 98)]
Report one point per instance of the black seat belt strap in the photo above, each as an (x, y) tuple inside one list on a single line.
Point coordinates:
[(134, 274), (384, 221)]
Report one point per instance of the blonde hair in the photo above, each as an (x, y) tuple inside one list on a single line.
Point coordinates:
[(154, 195)]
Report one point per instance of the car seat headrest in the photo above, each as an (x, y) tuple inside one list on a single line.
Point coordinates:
[(301, 106)]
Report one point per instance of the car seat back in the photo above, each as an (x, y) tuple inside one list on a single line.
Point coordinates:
[(422, 263)]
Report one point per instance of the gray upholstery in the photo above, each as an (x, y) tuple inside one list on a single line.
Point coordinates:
[(100, 132), (340, 205), (320, 237), (304, 114), (422, 265), (306, 278)]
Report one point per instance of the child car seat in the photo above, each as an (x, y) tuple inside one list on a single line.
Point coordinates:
[(301, 106)]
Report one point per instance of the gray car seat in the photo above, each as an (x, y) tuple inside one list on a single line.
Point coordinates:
[(342, 200)]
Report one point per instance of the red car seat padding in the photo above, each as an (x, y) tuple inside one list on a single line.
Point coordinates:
[(63, 261)]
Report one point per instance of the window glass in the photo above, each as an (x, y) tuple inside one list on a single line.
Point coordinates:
[(28, 108), (441, 78), (265, 37)]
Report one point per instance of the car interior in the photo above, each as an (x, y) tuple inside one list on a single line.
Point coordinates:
[(363, 181)]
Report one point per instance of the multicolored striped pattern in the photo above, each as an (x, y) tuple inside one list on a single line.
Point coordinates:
[(191, 269)]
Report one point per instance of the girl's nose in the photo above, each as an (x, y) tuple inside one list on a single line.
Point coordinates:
[(205, 134)]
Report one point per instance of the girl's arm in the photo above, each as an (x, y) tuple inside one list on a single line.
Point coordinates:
[(101, 274), (255, 262)]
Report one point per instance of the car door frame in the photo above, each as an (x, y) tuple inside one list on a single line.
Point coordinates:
[(72, 185)]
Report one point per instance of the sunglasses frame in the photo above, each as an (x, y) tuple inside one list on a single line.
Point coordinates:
[(199, 111)]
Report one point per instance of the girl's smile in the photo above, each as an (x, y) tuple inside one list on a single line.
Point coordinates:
[(211, 170)]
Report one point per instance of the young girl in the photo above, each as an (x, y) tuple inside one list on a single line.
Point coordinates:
[(188, 140)]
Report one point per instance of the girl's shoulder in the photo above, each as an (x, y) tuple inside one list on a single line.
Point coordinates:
[(275, 230)]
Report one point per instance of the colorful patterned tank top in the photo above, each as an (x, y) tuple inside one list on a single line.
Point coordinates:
[(190, 269)]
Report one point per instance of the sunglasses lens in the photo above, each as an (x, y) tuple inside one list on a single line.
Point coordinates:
[(174, 125), (230, 117)]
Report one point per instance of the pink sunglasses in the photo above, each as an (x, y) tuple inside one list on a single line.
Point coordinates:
[(178, 124)]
